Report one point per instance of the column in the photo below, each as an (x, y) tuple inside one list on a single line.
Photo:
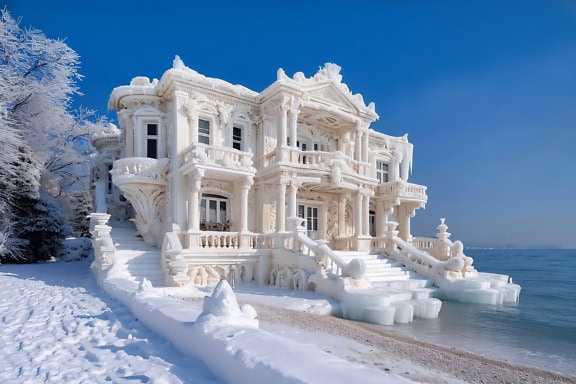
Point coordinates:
[(293, 128), (379, 218), (195, 183), (281, 208), (366, 215), (358, 214), (245, 188), (292, 191), (405, 213), (282, 127)]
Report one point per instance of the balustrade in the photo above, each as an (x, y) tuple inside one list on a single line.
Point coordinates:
[(140, 168), (220, 240), (223, 156), (402, 189)]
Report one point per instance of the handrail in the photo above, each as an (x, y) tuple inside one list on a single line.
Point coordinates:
[(441, 249), (171, 248), (322, 253), (427, 265)]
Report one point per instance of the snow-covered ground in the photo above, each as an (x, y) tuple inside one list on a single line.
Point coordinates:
[(59, 326)]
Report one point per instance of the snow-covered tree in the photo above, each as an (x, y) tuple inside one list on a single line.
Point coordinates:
[(38, 78)]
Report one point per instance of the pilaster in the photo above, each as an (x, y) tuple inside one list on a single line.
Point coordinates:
[(178, 141), (281, 207)]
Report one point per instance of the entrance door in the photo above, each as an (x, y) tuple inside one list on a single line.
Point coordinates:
[(310, 216)]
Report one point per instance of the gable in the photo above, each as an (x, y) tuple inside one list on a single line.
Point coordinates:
[(331, 94)]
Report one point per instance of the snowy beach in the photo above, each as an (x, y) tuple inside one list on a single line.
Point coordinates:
[(59, 326)]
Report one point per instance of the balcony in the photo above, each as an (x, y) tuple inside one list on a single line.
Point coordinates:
[(143, 182), (403, 190), (216, 158), (139, 170), (323, 161)]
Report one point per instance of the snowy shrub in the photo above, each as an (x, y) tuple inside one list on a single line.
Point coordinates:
[(74, 249), (43, 226), (76, 207), (11, 247)]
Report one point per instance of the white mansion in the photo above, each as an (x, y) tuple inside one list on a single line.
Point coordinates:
[(289, 186)]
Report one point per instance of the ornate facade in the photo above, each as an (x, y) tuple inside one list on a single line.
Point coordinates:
[(270, 186)]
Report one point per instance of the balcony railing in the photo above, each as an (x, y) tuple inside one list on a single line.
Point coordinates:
[(312, 159), (402, 189), (215, 240), (140, 169), (215, 155)]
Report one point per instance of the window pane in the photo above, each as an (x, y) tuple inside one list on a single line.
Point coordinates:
[(203, 131), (203, 210), (203, 125), (212, 211), (222, 218), (151, 148), (152, 129), (237, 138)]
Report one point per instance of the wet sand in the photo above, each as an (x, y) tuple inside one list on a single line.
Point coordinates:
[(413, 359)]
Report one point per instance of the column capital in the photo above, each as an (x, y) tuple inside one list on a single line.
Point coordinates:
[(247, 182), (198, 174)]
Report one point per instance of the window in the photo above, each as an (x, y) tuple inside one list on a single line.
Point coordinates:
[(237, 138), (152, 141), (302, 146), (381, 172), (109, 183), (213, 209), (203, 131), (372, 223), (310, 216)]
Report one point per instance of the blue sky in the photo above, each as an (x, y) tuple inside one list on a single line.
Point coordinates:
[(486, 90)]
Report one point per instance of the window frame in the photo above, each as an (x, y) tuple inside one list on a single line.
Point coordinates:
[(238, 139), (205, 200), (206, 136), (382, 175)]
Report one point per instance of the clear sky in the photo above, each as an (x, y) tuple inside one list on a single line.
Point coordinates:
[(486, 90)]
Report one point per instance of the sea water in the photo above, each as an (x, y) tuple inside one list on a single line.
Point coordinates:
[(539, 331)]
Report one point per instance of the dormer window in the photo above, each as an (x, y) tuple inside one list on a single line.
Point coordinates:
[(381, 172), (152, 140), (203, 131)]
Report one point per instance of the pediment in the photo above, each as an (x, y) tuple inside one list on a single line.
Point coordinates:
[(331, 94)]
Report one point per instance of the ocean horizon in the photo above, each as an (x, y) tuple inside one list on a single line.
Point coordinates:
[(539, 331)]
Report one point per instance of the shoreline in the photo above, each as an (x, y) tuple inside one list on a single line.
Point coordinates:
[(408, 357)]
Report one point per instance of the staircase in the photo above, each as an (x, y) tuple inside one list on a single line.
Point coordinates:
[(407, 294), (136, 257)]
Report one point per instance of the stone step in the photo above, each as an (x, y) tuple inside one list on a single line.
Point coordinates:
[(401, 284)]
